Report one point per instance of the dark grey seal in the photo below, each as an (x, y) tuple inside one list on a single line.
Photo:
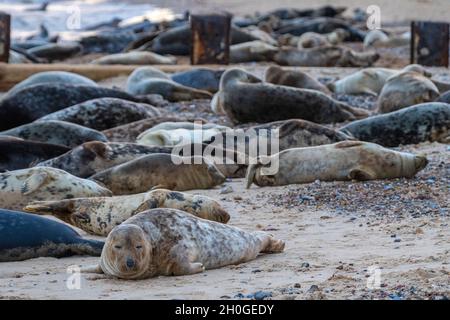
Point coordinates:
[(200, 78)]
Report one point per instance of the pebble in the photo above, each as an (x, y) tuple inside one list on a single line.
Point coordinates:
[(226, 189)]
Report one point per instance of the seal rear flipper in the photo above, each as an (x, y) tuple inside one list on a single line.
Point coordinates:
[(361, 174), (33, 183), (61, 209), (89, 247)]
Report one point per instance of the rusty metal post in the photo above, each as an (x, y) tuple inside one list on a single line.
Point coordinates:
[(210, 38), (5, 36), (429, 43)]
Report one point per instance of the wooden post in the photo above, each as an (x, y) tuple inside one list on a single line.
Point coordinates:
[(210, 38), (429, 43), (5, 36)]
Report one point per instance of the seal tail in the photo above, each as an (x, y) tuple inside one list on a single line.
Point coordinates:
[(89, 247), (269, 243)]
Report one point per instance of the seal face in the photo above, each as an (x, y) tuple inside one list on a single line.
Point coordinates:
[(99, 215), (56, 132), (25, 236), (411, 125), (19, 187), (173, 242), (341, 161), (19, 154), (159, 170), (104, 113), (95, 156), (245, 98), (404, 90)]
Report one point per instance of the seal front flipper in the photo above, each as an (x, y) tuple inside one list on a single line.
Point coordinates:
[(361, 174), (33, 183)]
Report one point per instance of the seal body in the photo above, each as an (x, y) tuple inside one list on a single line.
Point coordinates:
[(95, 156), (56, 51), (26, 236), (291, 78), (34, 102), (199, 78), (99, 215), (369, 81), (412, 125), (404, 90), (341, 161), (246, 98), (252, 51), (135, 58), (56, 132), (18, 154), (19, 187), (159, 170), (172, 242), (104, 113)]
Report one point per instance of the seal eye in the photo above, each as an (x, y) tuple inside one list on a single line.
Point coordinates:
[(118, 247)]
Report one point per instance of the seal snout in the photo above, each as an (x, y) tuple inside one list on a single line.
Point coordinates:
[(130, 263)]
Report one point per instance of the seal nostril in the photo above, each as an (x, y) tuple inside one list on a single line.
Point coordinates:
[(130, 263)]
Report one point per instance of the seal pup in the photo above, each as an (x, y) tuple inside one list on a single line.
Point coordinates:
[(161, 171), (328, 56), (135, 58), (411, 125), (26, 236), (56, 132), (95, 156), (18, 154), (129, 132), (148, 80), (293, 78), (404, 90), (20, 187), (245, 98), (199, 78), (56, 51), (99, 215), (173, 242), (36, 101), (253, 51), (342, 161), (52, 77), (104, 113)]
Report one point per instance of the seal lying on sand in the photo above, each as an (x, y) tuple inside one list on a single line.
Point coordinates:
[(404, 90), (135, 58), (52, 77), (293, 78), (245, 98), (330, 56), (346, 160), (253, 51), (412, 125), (26, 236), (200, 78), (147, 80), (159, 170), (95, 156), (172, 242), (56, 51), (18, 154), (56, 132), (104, 113), (100, 215), (19, 187), (34, 102)]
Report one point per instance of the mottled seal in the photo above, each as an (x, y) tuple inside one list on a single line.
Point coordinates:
[(173, 242), (328, 56), (159, 170), (52, 77), (104, 113), (25, 236), (412, 125), (245, 98), (19, 187), (18, 154), (99, 215), (199, 78), (293, 78), (56, 51), (253, 51), (95, 156), (36, 101), (135, 58), (404, 90), (313, 39), (56, 132), (346, 160), (147, 80)]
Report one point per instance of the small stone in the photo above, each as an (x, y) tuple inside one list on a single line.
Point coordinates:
[(226, 189), (305, 265), (313, 289), (397, 240), (261, 295), (237, 198), (297, 285)]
